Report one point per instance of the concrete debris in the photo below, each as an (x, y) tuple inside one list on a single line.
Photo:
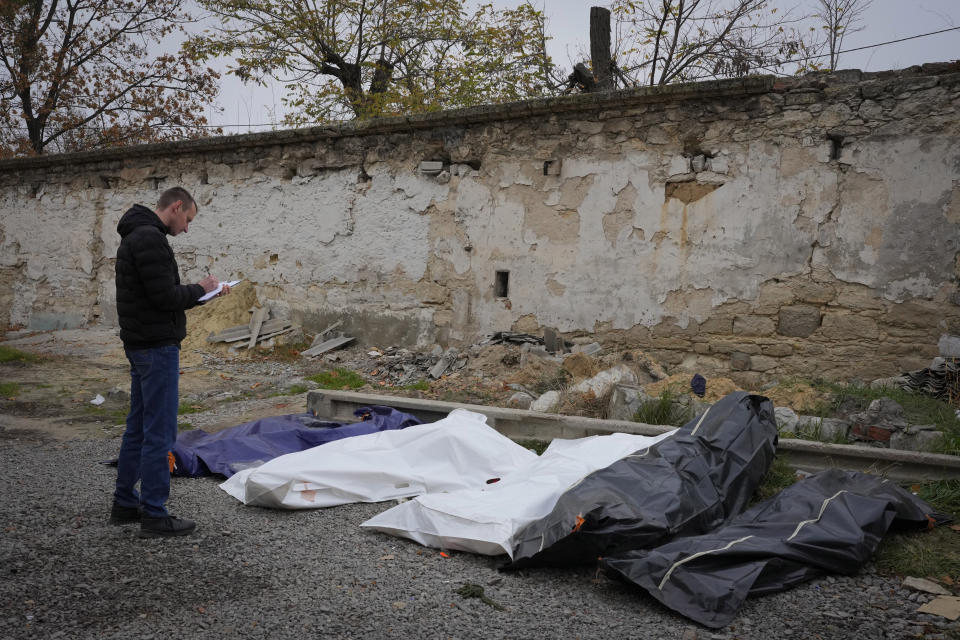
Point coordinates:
[(256, 324), (547, 403), (327, 345), (927, 586), (267, 329), (940, 380), (511, 337), (604, 381), (587, 349), (446, 362), (323, 335), (823, 429)]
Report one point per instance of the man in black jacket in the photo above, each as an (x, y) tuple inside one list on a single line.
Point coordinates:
[(151, 303)]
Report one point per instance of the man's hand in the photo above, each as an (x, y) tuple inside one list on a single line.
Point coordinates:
[(209, 284), (224, 291)]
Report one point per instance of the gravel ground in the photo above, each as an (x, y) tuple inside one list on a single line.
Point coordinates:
[(249, 572)]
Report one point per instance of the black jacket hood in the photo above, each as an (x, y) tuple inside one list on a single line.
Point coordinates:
[(139, 216)]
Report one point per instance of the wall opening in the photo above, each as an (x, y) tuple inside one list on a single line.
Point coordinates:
[(836, 144), (501, 284)]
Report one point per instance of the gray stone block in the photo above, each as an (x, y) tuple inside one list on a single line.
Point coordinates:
[(739, 361), (798, 321), (949, 346), (520, 400)]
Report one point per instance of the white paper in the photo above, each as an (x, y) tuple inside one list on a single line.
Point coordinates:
[(98, 400), (219, 288)]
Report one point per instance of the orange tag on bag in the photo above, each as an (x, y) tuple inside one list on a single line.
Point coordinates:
[(171, 461)]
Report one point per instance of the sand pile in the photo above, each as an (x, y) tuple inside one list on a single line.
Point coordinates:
[(799, 396), (680, 383), (218, 314)]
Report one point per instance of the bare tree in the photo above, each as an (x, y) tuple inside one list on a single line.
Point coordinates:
[(838, 19), (664, 41), (79, 74)]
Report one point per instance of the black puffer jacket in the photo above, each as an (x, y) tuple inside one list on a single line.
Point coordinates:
[(150, 298)]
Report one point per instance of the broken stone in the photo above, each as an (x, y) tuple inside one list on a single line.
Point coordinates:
[(546, 403), (787, 419), (823, 429), (604, 381), (626, 401), (447, 361), (944, 606), (926, 586), (879, 422), (520, 400)]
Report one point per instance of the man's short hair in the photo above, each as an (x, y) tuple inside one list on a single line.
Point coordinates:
[(173, 194)]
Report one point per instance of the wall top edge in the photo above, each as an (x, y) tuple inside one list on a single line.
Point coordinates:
[(581, 103)]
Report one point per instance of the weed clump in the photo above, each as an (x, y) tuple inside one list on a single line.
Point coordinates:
[(338, 379)]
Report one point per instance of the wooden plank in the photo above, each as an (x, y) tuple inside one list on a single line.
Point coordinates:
[(317, 339), (256, 322), (242, 332), (329, 345)]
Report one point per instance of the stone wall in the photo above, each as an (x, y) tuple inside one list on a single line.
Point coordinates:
[(763, 226)]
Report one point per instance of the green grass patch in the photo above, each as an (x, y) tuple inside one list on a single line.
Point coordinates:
[(293, 390), (113, 415), (537, 445), (934, 554), (184, 426), (9, 389), (553, 381), (185, 408), (338, 379), (917, 408), (9, 354), (780, 476), (664, 410)]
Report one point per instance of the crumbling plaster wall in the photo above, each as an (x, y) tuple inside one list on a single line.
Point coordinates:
[(803, 226)]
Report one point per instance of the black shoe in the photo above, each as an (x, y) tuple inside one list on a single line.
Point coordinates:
[(165, 527), (124, 515)]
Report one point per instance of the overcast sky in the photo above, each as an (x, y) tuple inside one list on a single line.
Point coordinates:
[(568, 20)]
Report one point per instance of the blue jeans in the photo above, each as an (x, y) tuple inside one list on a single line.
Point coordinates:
[(151, 430)]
